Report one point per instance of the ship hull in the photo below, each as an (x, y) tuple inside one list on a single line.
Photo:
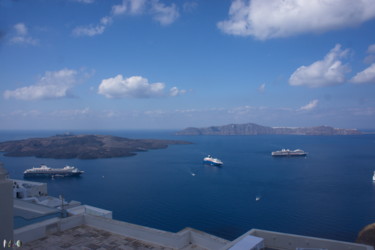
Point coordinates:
[(288, 155), (50, 174), (212, 163)]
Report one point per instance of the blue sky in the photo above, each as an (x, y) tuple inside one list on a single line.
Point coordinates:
[(162, 64)]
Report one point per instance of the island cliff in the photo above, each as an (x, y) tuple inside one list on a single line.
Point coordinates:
[(82, 146), (255, 129)]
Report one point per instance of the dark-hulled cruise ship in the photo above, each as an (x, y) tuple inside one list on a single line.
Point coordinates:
[(44, 171)]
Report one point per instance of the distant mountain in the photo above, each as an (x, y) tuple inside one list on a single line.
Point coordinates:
[(255, 129), (82, 146)]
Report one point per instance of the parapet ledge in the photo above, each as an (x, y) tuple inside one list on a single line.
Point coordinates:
[(86, 209), (277, 240), (204, 240), (142, 233), (42, 229)]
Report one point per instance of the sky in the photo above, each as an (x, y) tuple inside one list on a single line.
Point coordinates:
[(163, 64)]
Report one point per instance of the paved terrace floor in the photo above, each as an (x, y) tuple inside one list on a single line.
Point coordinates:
[(85, 237)]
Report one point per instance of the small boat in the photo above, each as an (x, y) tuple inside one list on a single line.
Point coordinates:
[(212, 161), (288, 152), (373, 177)]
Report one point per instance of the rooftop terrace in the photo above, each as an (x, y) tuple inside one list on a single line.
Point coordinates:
[(86, 237), (85, 231)]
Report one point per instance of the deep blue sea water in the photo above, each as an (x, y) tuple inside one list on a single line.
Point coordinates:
[(328, 194)]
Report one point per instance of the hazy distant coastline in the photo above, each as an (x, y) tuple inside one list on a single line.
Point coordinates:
[(82, 146), (255, 129)]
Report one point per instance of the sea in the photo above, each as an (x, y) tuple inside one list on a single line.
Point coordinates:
[(329, 193)]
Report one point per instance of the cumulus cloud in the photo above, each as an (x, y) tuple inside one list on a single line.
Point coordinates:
[(21, 35), (134, 87), (164, 14), (283, 18), (311, 105), (52, 85), (329, 71), (365, 76)]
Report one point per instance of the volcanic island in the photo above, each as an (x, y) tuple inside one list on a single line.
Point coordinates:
[(82, 146)]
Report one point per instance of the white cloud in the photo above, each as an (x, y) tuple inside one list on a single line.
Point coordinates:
[(371, 48), (165, 15), (21, 35), (371, 51), (111, 114), (54, 84), (93, 30), (329, 71), (365, 76), (174, 91), (262, 88), (72, 113), (135, 86), (162, 13), (89, 30), (129, 6), (283, 18), (136, 6), (26, 113), (311, 105), (21, 29), (107, 20), (119, 9)]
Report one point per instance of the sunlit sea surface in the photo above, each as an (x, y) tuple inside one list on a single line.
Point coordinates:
[(329, 193)]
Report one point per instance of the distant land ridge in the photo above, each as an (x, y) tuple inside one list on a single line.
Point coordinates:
[(255, 129), (82, 146)]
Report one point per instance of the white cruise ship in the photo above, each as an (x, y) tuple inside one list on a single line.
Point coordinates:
[(212, 161), (44, 171), (288, 152)]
